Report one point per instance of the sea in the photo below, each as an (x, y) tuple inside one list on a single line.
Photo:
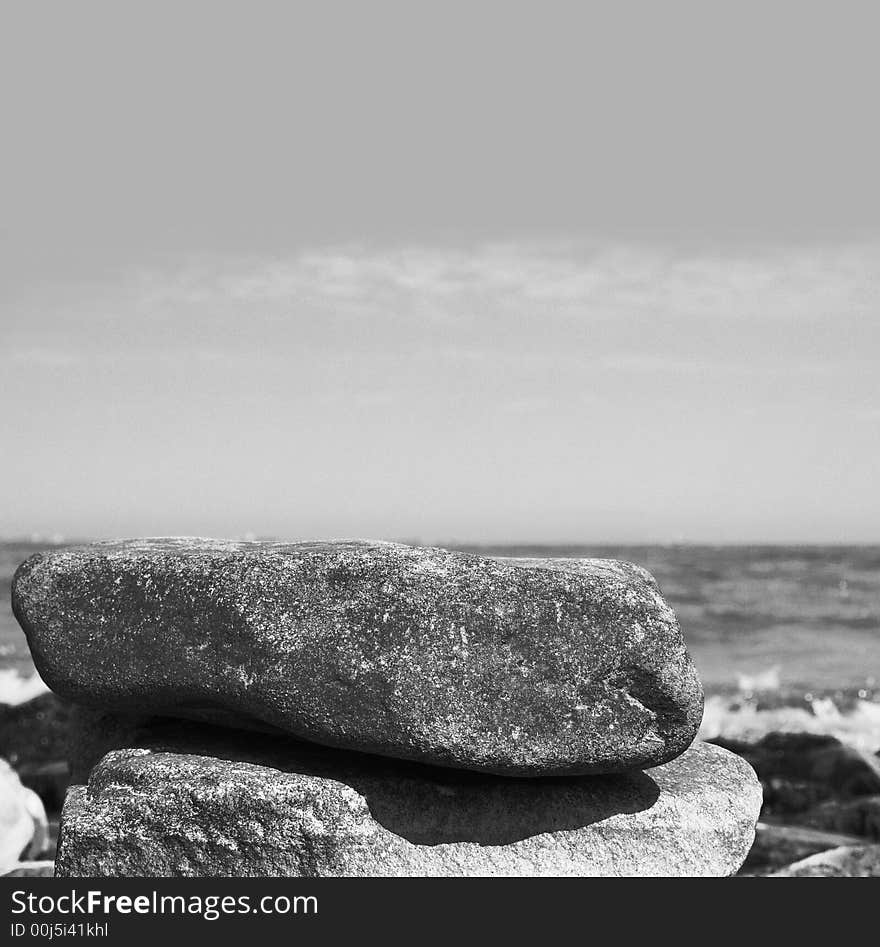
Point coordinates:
[(801, 618)]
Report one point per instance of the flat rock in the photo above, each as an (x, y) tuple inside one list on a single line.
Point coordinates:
[(513, 667), (191, 800), (849, 861)]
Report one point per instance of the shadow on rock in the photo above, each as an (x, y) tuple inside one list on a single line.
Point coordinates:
[(439, 811), (426, 805)]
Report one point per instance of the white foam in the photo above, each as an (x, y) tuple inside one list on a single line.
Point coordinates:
[(859, 727), (15, 689)]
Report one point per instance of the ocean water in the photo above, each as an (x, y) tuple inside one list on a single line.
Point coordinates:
[(805, 617)]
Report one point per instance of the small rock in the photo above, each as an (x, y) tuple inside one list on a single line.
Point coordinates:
[(800, 770), (778, 845), (851, 861), (202, 802), (520, 668)]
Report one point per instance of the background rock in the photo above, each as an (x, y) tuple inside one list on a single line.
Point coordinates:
[(202, 802), (800, 770), (860, 816), (503, 666), (857, 861), (778, 845)]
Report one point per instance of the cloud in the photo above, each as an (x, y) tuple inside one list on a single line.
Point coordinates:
[(587, 282), (642, 363), (528, 309)]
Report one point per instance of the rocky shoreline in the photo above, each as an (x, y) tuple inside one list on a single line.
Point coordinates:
[(817, 754)]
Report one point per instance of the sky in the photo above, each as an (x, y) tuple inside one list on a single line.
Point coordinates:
[(446, 273)]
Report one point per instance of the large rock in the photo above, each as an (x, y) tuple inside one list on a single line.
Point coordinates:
[(23, 824), (197, 801), (514, 667)]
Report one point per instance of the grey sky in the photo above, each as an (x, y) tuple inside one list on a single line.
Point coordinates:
[(452, 274)]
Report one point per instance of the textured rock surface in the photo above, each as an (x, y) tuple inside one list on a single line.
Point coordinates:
[(23, 824), (516, 667), (194, 800), (856, 861)]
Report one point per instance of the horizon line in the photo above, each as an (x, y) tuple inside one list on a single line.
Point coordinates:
[(453, 543)]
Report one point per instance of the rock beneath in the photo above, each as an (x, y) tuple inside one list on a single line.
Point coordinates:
[(190, 800), (800, 770), (520, 668), (860, 816), (857, 861), (23, 824), (778, 845)]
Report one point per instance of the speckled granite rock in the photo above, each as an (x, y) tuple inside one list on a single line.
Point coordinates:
[(198, 801), (514, 667)]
